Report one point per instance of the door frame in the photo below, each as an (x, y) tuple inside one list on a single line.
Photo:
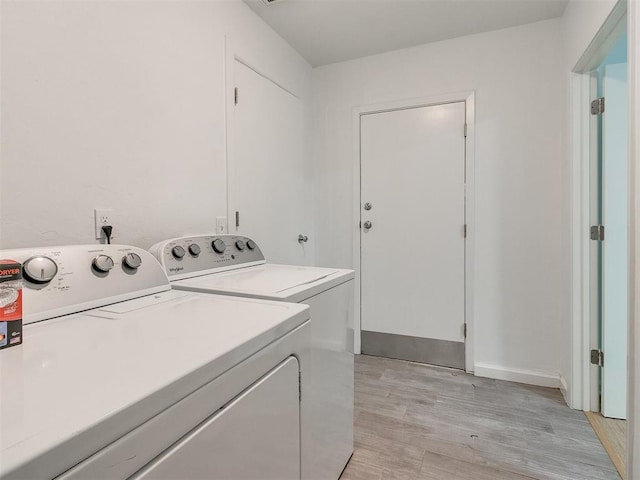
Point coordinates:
[(583, 393), (469, 264)]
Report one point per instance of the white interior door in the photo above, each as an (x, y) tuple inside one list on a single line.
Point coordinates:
[(615, 247), (267, 183), (413, 257)]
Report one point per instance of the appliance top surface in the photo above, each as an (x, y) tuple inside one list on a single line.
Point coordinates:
[(79, 371), (269, 280)]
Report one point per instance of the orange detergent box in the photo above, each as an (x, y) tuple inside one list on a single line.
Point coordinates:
[(10, 303)]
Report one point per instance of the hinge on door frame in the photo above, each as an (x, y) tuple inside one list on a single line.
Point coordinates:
[(597, 106), (596, 232), (464, 328), (299, 386), (597, 357), (235, 96), (465, 130), (237, 219), (465, 230)]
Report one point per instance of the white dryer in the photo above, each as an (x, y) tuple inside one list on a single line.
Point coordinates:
[(121, 377), (234, 265)]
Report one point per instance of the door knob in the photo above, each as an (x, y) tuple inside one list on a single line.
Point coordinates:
[(302, 238), (367, 225)]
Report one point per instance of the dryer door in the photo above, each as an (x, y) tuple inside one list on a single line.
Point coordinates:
[(255, 436)]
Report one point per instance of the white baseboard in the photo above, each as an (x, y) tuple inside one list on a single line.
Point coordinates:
[(564, 389), (530, 377)]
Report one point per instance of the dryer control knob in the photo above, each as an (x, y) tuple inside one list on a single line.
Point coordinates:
[(194, 249), (251, 244), (240, 245), (132, 260), (218, 245), (40, 269), (103, 263), (177, 252)]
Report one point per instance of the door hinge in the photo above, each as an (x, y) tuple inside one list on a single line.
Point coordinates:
[(597, 232), (464, 330), (235, 96), (237, 219), (597, 357), (299, 386), (465, 230), (465, 130), (597, 106)]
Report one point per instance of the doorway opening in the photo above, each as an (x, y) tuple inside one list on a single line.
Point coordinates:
[(601, 215)]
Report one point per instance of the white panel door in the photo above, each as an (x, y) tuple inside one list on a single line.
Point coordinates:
[(267, 183), (413, 175), (615, 247)]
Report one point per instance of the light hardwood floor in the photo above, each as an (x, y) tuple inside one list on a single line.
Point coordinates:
[(613, 435), (414, 421)]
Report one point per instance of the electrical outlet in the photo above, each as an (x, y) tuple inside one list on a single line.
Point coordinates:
[(221, 225), (104, 216)]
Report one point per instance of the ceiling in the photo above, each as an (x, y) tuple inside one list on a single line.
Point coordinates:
[(329, 31)]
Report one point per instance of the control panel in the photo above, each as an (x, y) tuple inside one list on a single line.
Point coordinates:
[(68, 279), (198, 255)]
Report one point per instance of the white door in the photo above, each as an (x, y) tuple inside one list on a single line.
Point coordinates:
[(615, 247), (413, 257), (268, 190)]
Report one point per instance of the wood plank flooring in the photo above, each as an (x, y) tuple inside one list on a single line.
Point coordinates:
[(415, 422), (613, 435)]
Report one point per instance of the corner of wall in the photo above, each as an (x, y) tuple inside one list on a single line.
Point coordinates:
[(530, 377)]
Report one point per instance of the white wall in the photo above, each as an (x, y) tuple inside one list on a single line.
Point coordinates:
[(516, 74), (122, 105)]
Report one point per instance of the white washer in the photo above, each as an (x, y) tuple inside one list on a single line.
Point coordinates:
[(234, 265), (121, 377)]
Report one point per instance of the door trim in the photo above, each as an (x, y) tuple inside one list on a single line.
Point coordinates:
[(469, 265), (582, 392)]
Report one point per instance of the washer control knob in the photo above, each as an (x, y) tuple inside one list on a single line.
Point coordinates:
[(40, 269), (251, 244), (103, 263), (218, 245), (194, 249), (177, 252), (132, 260), (240, 245)]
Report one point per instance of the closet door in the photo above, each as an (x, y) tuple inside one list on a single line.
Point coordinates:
[(268, 189)]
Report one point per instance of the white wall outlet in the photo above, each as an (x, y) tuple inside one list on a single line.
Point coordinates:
[(221, 225), (104, 216)]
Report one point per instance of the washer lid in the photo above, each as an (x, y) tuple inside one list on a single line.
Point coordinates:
[(270, 281), (79, 381)]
